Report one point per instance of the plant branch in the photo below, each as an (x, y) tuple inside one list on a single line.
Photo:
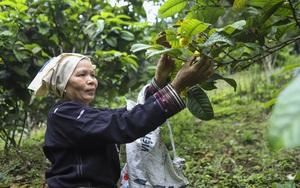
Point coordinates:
[(294, 13)]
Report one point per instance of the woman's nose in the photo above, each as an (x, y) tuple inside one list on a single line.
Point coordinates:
[(90, 79)]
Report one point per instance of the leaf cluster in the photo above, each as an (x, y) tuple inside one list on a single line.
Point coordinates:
[(260, 28)]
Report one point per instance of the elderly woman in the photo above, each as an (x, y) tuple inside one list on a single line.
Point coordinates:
[(81, 142)]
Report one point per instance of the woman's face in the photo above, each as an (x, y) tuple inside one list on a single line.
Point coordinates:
[(82, 84)]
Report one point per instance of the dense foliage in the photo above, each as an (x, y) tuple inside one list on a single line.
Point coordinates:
[(257, 30), (31, 32)]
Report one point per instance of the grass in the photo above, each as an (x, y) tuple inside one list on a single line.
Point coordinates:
[(232, 150), (229, 151)]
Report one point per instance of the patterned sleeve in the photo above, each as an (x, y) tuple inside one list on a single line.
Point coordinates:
[(169, 101), (152, 88), (167, 98)]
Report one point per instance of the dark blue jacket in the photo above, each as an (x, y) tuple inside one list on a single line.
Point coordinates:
[(80, 141)]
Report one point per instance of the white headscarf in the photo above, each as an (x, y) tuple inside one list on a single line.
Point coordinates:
[(54, 75)]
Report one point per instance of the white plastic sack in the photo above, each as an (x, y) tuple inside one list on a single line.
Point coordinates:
[(148, 161)]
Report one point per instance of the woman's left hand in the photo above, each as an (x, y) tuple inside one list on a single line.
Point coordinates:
[(164, 67)]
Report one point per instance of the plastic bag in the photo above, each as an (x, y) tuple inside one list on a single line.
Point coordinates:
[(148, 161)]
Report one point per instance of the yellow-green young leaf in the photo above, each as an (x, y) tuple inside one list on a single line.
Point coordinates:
[(292, 66), (171, 37), (284, 128), (199, 104), (192, 27), (239, 4), (171, 7), (8, 3), (21, 7), (106, 14)]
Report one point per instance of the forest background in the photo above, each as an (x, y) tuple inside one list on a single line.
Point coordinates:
[(255, 47)]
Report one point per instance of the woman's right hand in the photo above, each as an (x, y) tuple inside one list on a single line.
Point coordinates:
[(193, 73)]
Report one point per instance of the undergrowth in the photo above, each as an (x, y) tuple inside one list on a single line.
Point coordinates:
[(232, 150)]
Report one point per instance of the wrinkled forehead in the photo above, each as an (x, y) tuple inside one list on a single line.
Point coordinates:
[(87, 60)]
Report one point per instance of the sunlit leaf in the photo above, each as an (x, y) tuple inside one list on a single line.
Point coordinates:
[(239, 4), (192, 27), (171, 7), (8, 3), (21, 7), (291, 66)]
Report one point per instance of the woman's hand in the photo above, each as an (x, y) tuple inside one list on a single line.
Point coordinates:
[(164, 67), (193, 73)]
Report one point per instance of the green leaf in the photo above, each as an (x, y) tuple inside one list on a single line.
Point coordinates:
[(8, 3), (21, 7), (284, 10), (34, 48), (4, 74), (206, 14), (172, 52), (217, 38), (171, 7), (270, 103), (231, 28), (256, 47), (139, 47), (284, 129), (258, 3), (282, 30), (20, 71), (230, 81), (291, 66), (269, 9), (239, 4), (112, 41), (208, 85), (297, 177), (192, 27), (126, 35), (6, 33), (199, 104), (127, 60), (285, 185)]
